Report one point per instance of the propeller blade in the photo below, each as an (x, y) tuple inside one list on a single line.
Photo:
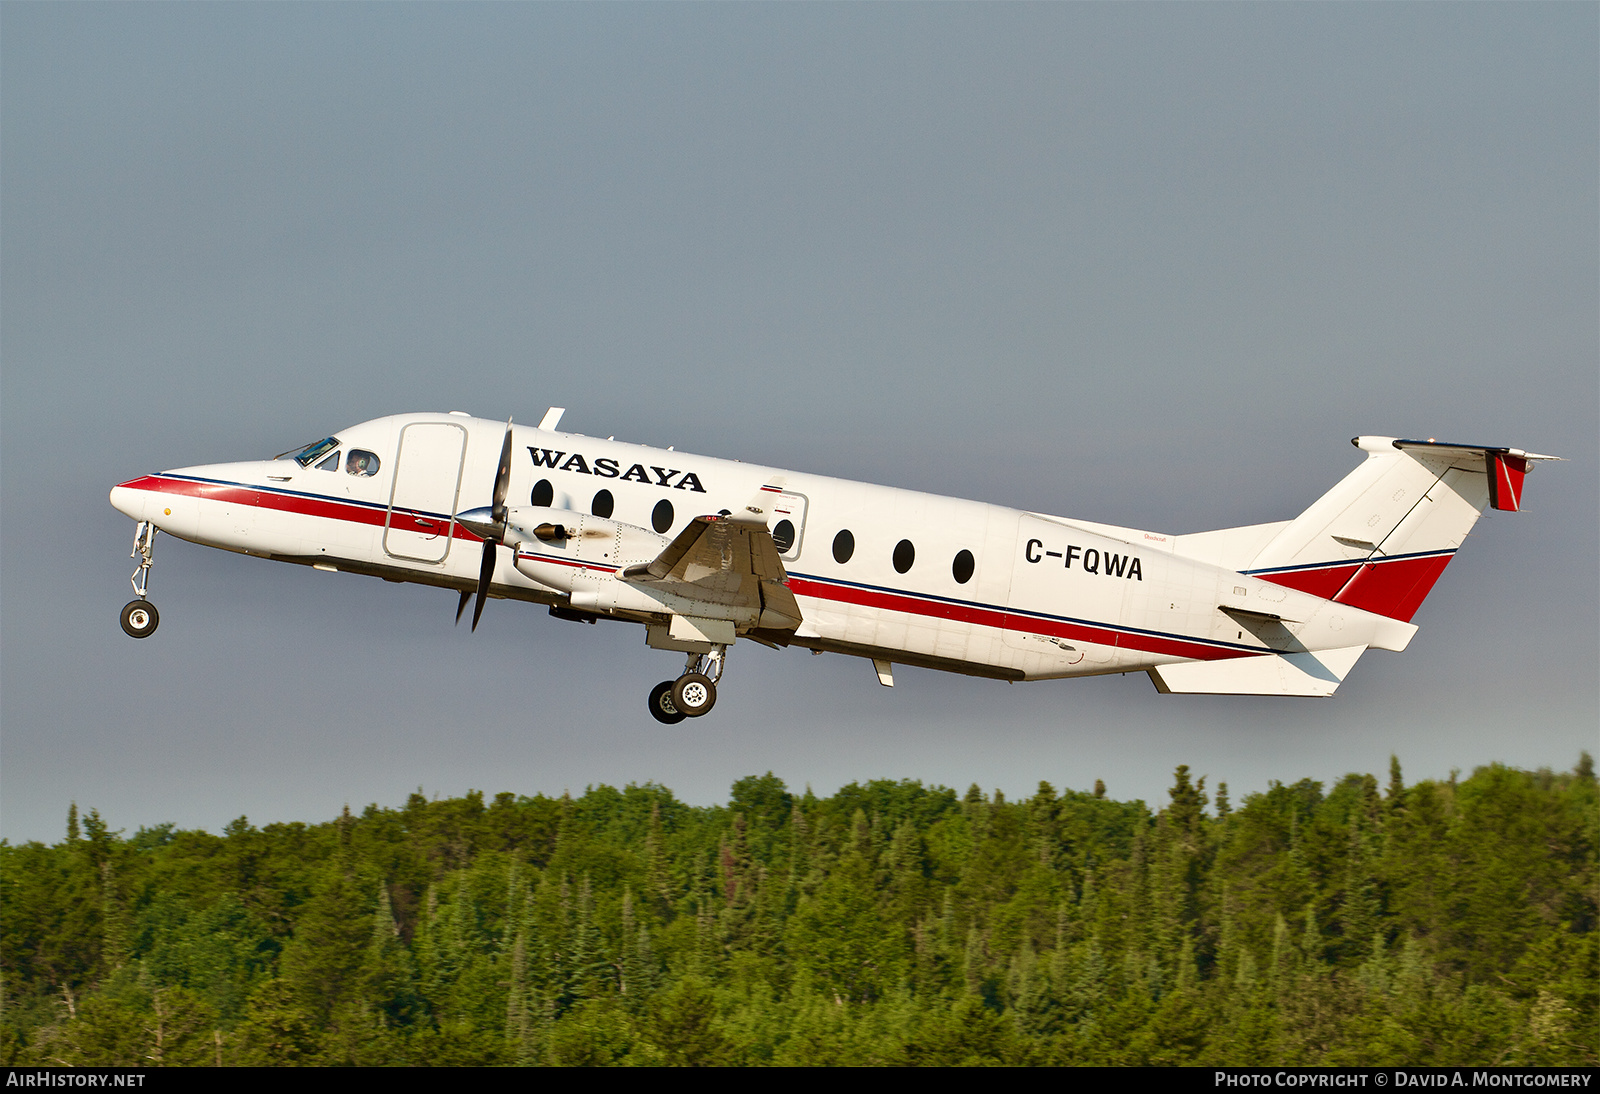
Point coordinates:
[(489, 525), (502, 479), (466, 595), (485, 573)]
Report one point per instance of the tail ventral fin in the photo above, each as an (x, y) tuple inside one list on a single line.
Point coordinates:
[(1310, 673)]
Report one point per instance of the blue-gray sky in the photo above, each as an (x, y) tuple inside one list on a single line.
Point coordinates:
[(1146, 264)]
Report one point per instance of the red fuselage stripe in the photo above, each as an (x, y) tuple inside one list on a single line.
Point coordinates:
[(302, 504), (1010, 621), (1325, 583)]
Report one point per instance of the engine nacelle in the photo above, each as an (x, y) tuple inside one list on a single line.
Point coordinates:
[(580, 554), (584, 556)]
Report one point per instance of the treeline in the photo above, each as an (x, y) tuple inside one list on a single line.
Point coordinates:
[(1442, 923)]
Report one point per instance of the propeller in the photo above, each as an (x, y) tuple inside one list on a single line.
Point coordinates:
[(488, 523)]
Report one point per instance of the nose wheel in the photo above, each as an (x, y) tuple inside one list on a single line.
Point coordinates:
[(139, 617), (692, 694)]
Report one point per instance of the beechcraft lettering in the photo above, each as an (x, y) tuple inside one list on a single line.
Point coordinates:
[(607, 468), (1089, 559), (783, 558)]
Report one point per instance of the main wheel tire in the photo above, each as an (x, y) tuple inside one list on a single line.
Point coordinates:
[(693, 694), (661, 708), (140, 618)]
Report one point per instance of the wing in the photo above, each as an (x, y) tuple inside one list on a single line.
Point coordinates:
[(727, 562)]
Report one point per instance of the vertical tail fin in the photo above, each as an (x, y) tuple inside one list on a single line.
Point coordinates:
[(1380, 538)]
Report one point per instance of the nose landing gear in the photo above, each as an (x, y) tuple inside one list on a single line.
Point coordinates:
[(692, 694), (139, 617)]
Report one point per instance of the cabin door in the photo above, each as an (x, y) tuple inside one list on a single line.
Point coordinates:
[(427, 484)]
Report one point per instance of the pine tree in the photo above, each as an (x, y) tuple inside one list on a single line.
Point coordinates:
[(800, 856), (590, 968), (388, 981), (636, 968), (561, 974), (1358, 911), (1282, 956), (1311, 941), (113, 919), (1397, 787), (322, 963), (525, 1011)]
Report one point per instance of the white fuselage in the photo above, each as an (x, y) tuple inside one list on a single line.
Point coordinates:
[(981, 589)]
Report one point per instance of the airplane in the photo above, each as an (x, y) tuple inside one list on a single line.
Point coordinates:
[(703, 552)]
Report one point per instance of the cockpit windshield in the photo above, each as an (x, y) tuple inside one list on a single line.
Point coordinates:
[(310, 453)]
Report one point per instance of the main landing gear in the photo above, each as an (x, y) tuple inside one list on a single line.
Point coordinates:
[(139, 617), (692, 694)]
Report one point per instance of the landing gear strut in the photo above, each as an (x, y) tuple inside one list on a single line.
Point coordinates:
[(692, 694), (139, 617)]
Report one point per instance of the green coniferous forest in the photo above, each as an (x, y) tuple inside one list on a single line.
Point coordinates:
[(1440, 923)]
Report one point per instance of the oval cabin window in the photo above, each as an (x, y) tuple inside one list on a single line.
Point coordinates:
[(661, 516), (603, 504), (844, 545), (961, 569), (543, 494), (904, 556)]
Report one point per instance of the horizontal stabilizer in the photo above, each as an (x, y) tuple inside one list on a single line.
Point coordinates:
[(1506, 467), (1317, 673), (1251, 613)]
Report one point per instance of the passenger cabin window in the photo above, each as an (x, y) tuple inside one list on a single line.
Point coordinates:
[(361, 462), (543, 494), (904, 556), (844, 545), (661, 516), (603, 504), (963, 566), (329, 464), (783, 536)]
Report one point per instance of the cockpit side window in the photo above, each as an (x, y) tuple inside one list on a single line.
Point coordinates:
[(329, 464), (311, 453), (361, 462)]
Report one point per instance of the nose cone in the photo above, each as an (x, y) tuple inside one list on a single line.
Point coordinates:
[(129, 498)]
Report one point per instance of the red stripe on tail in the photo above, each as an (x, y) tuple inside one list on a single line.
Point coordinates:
[(1395, 587)]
